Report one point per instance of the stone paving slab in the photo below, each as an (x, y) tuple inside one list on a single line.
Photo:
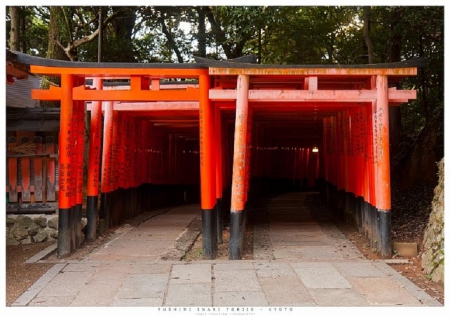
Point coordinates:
[(358, 269), (305, 253), (383, 291), (286, 291), (150, 268), (65, 284), (322, 278), (189, 294), (338, 297), (138, 302), (191, 273), (233, 265), (240, 298), (274, 270), (144, 286), (82, 267), (54, 301), (236, 280)]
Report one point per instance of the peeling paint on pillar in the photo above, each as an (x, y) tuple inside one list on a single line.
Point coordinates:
[(239, 168)]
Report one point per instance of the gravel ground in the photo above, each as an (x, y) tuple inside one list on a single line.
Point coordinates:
[(20, 275)]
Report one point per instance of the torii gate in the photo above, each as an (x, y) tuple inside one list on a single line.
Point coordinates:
[(344, 107)]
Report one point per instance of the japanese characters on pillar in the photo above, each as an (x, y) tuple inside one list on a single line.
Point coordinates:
[(65, 144), (248, 153), (240, 144), (72, 172), (381, 116), (207, 161), (107, 147), (219, 144), (94, 143), (115, 151), (80, 149)]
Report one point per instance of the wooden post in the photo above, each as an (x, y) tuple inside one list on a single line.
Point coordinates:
[(38, 175), (81, 108), (383, 186), (207, 171), (65, 153), (106, 166), (94, 165), (239, 162), (219, 184), (73, 171)]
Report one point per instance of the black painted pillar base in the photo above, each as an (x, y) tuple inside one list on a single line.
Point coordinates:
[(73, 235), (77, 225), (209, 236), (104, 212), (358, 212), (91, 216), (374, 224), (63, 249), (384, 233), (219, 221), (236, 234)]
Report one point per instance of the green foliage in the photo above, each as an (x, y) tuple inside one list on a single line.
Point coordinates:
[(276, 34)]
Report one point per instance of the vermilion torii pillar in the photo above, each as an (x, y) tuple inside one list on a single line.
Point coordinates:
[(219, 183), (239, 169), (383, 181), (94, 165), (106, 166), (207, 171), (65, 167)]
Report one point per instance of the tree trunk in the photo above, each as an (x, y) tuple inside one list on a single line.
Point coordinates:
[(14, 33), (423, 83), (170, 39), (366, 33), (395, 41), (201, 32), (259, 45), (123, 26), (23, 30)]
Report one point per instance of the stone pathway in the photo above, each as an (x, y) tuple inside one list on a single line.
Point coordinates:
[(303, 261)]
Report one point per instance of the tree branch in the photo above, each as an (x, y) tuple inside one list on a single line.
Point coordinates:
[(170, 39), (217, 30)]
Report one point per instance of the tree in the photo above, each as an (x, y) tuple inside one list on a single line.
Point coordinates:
[(366, 33), (14, 34)]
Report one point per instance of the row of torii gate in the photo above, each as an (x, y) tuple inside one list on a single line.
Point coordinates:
[(232, 121)]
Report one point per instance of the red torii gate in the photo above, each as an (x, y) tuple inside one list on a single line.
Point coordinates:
[(345, 108)]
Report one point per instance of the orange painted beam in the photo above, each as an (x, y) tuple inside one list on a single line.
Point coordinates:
[(313, 71), (311, 95), (51, 94), (119, 72), (153, 106), (190, 94)]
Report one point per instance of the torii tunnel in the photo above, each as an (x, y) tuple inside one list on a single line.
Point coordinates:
[(227, 125)]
